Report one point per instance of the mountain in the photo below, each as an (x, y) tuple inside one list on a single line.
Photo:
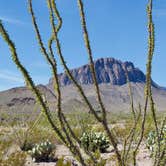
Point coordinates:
[(21, 101), (108, 70), (116, 98), (111, 77)]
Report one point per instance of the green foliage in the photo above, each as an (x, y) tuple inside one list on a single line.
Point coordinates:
[(152, 143), (93, 141), (43, 152)]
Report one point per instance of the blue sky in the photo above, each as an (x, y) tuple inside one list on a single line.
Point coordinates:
[(117, 28)]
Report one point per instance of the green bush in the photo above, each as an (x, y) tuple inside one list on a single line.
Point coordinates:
[(43, 152), (152, 143), (93, 141)]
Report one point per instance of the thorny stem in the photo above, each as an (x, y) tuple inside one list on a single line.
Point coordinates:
[(130, 137), (89, 50), (150, 57), (28, 79), (92, 67), (74, 149), (51, 5), (148, 90), (69, 74)]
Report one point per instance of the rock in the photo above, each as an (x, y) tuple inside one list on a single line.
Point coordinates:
[(21, 100)]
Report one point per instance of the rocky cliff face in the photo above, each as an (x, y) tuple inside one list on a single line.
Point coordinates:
[(108, 70)]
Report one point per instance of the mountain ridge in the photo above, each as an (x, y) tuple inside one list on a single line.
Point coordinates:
[(108, 70), (111, 77)]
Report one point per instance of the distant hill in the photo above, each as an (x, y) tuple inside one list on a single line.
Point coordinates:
[(111, 78)]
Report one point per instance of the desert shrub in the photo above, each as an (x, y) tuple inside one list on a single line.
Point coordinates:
[(82, 119), (17, 158), (43, 151), (4, 146), (62, 162), (152, 145), (40, 134), (21, 138), (152, 142), (93, 141), (149, 126), (113, 118), (26, 140), (81, 122), (121, 132), (100, 161)]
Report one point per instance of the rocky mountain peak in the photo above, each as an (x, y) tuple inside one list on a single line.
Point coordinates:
[(108, 70)]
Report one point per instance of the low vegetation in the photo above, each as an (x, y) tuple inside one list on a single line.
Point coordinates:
[(93, 141), (152, 144), (43, 152), (35, 142)]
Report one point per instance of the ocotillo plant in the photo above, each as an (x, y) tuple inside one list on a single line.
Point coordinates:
[(67, 135)]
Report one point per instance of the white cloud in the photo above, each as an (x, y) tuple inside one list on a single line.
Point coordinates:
[(11, 76), (12, 20)]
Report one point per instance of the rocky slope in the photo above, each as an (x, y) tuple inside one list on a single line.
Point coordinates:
[(116, 98), (22, 101)]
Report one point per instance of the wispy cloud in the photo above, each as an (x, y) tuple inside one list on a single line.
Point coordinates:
[(10, 76), (12, 20)]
